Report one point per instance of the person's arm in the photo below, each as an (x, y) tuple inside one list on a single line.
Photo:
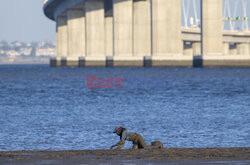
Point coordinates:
[(120, 144)]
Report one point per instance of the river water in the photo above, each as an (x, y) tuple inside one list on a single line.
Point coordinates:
[(43, 108)]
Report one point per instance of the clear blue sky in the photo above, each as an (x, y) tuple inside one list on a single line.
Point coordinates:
[(24, 20)]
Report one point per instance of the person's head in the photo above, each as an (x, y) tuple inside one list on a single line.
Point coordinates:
[(118, 130)]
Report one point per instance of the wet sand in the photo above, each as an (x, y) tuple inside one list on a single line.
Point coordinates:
[(152, 156)]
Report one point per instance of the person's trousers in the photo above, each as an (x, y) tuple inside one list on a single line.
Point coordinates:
[(138, 141)]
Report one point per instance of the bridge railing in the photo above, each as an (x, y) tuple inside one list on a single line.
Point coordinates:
[(235, 14)]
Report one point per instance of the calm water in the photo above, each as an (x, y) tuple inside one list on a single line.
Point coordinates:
[(44, 108)]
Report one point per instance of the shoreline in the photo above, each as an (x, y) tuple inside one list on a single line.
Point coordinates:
[(155, 156)]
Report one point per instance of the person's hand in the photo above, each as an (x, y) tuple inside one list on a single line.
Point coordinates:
[(112, 147)]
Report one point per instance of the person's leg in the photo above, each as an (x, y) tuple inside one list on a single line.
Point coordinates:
[(141, 142), (134, 139), (135, 146)]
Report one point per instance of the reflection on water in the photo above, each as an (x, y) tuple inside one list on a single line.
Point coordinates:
[(50, 108)]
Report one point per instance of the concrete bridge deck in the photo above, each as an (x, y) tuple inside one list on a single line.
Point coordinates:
[(193, 35)]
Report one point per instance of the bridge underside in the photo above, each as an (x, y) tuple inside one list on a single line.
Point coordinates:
[(137, 33)]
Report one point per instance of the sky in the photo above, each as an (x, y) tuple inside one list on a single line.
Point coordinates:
[(23, 20)]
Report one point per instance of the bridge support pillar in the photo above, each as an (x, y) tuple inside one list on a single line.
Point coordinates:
[(142, 28), (232, 49), (243, 49), (123, 35), (225, 48), (95, 33), (109, 35), (249, 49), (76, 35), (61, 39), (196, 48), (123, 29), (188, 50), (212, 27), (166, 24)]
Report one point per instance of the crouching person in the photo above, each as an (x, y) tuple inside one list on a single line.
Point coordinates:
[(138, 141)]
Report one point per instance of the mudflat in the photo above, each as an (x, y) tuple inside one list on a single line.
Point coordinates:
[(128, 156)]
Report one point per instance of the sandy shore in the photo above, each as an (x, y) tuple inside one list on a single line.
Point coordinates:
[(156, 156)]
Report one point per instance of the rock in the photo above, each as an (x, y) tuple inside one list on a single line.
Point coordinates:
[(157, 144)]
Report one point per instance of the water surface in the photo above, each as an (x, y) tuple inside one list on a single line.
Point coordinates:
[(44, 108)]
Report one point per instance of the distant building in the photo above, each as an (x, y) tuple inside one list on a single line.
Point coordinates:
[(16, 43), (25, 51), (46, 52), (28, 44), (2, 52), (12, 53), (16, 48)]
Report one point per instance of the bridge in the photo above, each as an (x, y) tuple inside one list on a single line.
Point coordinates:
[(150, 33)]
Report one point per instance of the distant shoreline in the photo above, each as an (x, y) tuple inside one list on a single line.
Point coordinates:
[(24, 60), (174, 155)]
